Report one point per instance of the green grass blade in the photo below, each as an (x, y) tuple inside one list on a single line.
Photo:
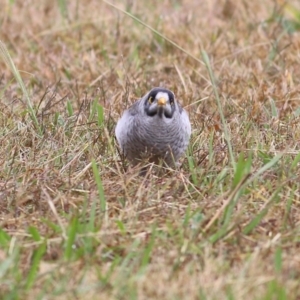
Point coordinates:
[(35, 262), (70, 109), (242, 169), (193, 170), (63, 8), (6, 264), (34, 233), (148, 249), (99, 185), (4, 238), (91, 226), (295, 162), (100, 114), (121, 226), (259, 216), (274, 110), (267, 166), (71, 238)]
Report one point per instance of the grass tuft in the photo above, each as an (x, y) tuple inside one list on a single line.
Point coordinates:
[(9, 62)]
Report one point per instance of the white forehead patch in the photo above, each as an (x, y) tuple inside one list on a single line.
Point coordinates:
[(162, 95)]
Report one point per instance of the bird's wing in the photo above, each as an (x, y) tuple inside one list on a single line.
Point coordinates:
[(186, 121), (180, 108), (134, 108)]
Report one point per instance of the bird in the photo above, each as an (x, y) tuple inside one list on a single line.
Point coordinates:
[(155, 128)]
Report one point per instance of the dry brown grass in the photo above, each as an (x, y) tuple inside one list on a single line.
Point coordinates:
[(216, 229)]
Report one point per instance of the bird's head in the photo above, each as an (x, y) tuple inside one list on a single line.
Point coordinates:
[(160, 102)]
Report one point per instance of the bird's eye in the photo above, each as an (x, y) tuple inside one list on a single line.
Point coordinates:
[(150, 100)]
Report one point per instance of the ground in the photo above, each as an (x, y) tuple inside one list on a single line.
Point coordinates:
[(78, 222)]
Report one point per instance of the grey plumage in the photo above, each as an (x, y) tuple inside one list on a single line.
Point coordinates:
[(153, 128)]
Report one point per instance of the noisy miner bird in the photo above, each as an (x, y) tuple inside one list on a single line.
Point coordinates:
[(154, 128)]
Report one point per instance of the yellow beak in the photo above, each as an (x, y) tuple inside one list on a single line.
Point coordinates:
[(161, 102)]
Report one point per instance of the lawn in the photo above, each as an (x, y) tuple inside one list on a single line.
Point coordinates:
[(78, 222)]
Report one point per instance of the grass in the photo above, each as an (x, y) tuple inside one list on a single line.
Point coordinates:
[(78, 222)]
